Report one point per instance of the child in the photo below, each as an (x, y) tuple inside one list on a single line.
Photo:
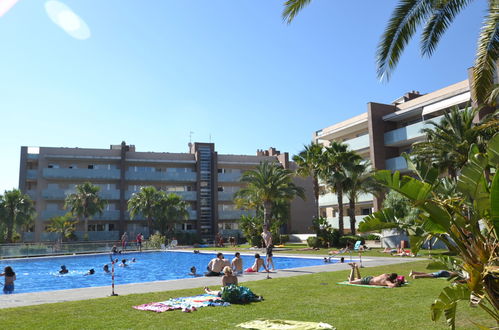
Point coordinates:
[(10, 277)]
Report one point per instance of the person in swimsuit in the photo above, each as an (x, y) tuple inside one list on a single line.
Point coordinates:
[(10, 277), (237, 263), (256, 265), (106, 268), (123, 263), (389, 280), (90, 272), (228, 279), (63, 270), (216, 265), (440, 273)]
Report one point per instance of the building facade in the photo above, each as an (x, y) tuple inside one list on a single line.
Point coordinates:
[(384, 132), (203, 178)]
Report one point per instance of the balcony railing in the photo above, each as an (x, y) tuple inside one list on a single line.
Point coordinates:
[(161, 176), (330, 199), (358, 143), (234, 214), (225, 195), (186, 195), (31, 194), (229, 177), (334, 222), (396, 164), (32, 174), (106, 215), (60, 194), (408, 133), (80, 173)]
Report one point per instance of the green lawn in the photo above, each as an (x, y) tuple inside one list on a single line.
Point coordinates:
[(313, 297)]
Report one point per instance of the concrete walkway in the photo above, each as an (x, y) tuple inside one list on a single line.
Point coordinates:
[(36, 298)]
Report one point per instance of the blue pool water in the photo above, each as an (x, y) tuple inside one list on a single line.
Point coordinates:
[(42, 274)]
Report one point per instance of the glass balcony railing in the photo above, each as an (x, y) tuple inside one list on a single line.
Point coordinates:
[(161, 176), (225, 195), (332, 199), (106, 215), (396, 164), (234, 214), (80, 173), (186, 195), (31, 194), (60, 194), (32, 174), (408, 133), (229, 177), (358, 143), (334, 222)]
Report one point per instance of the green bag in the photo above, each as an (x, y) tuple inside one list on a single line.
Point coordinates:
[(238, 294)]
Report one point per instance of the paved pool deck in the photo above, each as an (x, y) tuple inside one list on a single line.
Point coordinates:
[(36, 298)]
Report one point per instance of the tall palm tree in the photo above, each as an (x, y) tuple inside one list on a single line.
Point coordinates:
[(448, 142), (310, 162), (359, 180), (145, 202), (266, 184), (170, 209), (436, 16), (337, 157), (18, 208), (85, 203)]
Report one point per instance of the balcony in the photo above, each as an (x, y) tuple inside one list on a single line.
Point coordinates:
[(359, 143), (60, 194), (229, 177), (186, 195), (234, 214), (407, 134), (32, 174), (32, 156), (31, 194), (193, 214), (81, 173), (331, 199), (106, 215), (334, 222), (161, 176), (225, 196), (396, 164)]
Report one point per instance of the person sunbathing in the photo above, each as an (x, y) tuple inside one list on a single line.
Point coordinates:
[(439, 274), (228, 279), (390, 280)]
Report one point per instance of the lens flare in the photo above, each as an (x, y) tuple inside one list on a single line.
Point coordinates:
[(5, 6), (67, 20)]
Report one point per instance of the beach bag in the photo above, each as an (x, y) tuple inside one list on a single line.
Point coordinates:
[(238, 294)]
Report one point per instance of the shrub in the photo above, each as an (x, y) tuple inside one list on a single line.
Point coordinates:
[(284, 239), (371, 237), (187, 238), (344, 240), (314, 242), (156, 240)]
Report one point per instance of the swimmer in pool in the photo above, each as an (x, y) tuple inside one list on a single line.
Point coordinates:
[(63, 270)]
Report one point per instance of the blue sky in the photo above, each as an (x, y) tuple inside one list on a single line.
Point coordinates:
[(154, 70)]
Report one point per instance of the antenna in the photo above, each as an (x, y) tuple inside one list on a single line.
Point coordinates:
[(210, 138), (190, 136)]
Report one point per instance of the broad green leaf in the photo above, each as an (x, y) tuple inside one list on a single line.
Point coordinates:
[(494, 204), (416, 242), (446, 303), (493, 151), (472, 181), (382, 219)]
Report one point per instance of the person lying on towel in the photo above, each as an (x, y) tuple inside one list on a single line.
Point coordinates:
[(389, 280)]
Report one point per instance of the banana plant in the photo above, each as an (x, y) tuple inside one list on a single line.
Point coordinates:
[(466, 221)]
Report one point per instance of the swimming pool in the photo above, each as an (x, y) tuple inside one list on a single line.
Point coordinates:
[(42, 274)]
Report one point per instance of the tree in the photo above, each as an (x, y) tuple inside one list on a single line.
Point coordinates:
[(145, 202), (170, 209), (467, 222), (436, 16), (359, 180), (85, 203), (63, 225), (266, 184), (336, 158), (16, 208), (310, 162)]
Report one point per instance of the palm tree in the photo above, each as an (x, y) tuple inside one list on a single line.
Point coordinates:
[(448, 142), (85, 203), (62, 225), (310, 162), (266, 184), (436, 15), (336, 157), (359, 180), (145, 202), (18, 208), (170, 209)]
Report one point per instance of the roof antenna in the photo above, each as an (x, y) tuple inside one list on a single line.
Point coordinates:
[(210, 138), (190, 136)]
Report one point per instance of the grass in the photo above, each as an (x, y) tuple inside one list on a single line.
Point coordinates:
[(312, 297)]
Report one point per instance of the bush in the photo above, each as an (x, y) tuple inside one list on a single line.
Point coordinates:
[(156, 240), (344, 240), (284, 239), (371, 237), (187, 238), (314, 242)]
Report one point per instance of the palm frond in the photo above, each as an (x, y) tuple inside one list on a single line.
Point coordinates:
[(405, 19), (443, 14), (292, 8)]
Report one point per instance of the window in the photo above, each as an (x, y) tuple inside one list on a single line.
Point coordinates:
[(366, 211), (111, 227), (220, 188), (91, 167), (53, 166)]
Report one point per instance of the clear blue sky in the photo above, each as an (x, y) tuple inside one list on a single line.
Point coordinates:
[(154, 70)]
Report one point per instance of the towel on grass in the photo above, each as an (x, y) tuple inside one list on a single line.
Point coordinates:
[(284, 324), (186, 304), (367, 285)]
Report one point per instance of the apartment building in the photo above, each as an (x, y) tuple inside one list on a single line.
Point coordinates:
[(386, 131), (203, 178)]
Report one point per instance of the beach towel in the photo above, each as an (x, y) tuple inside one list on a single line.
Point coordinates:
[(284, 324), (186, 304), (368, 286)]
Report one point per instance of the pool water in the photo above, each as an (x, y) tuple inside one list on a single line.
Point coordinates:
[(42, 274)]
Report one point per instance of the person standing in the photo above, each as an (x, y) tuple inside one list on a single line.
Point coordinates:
[(10, 277), (139, 241), (267, 241), (124, 241)]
